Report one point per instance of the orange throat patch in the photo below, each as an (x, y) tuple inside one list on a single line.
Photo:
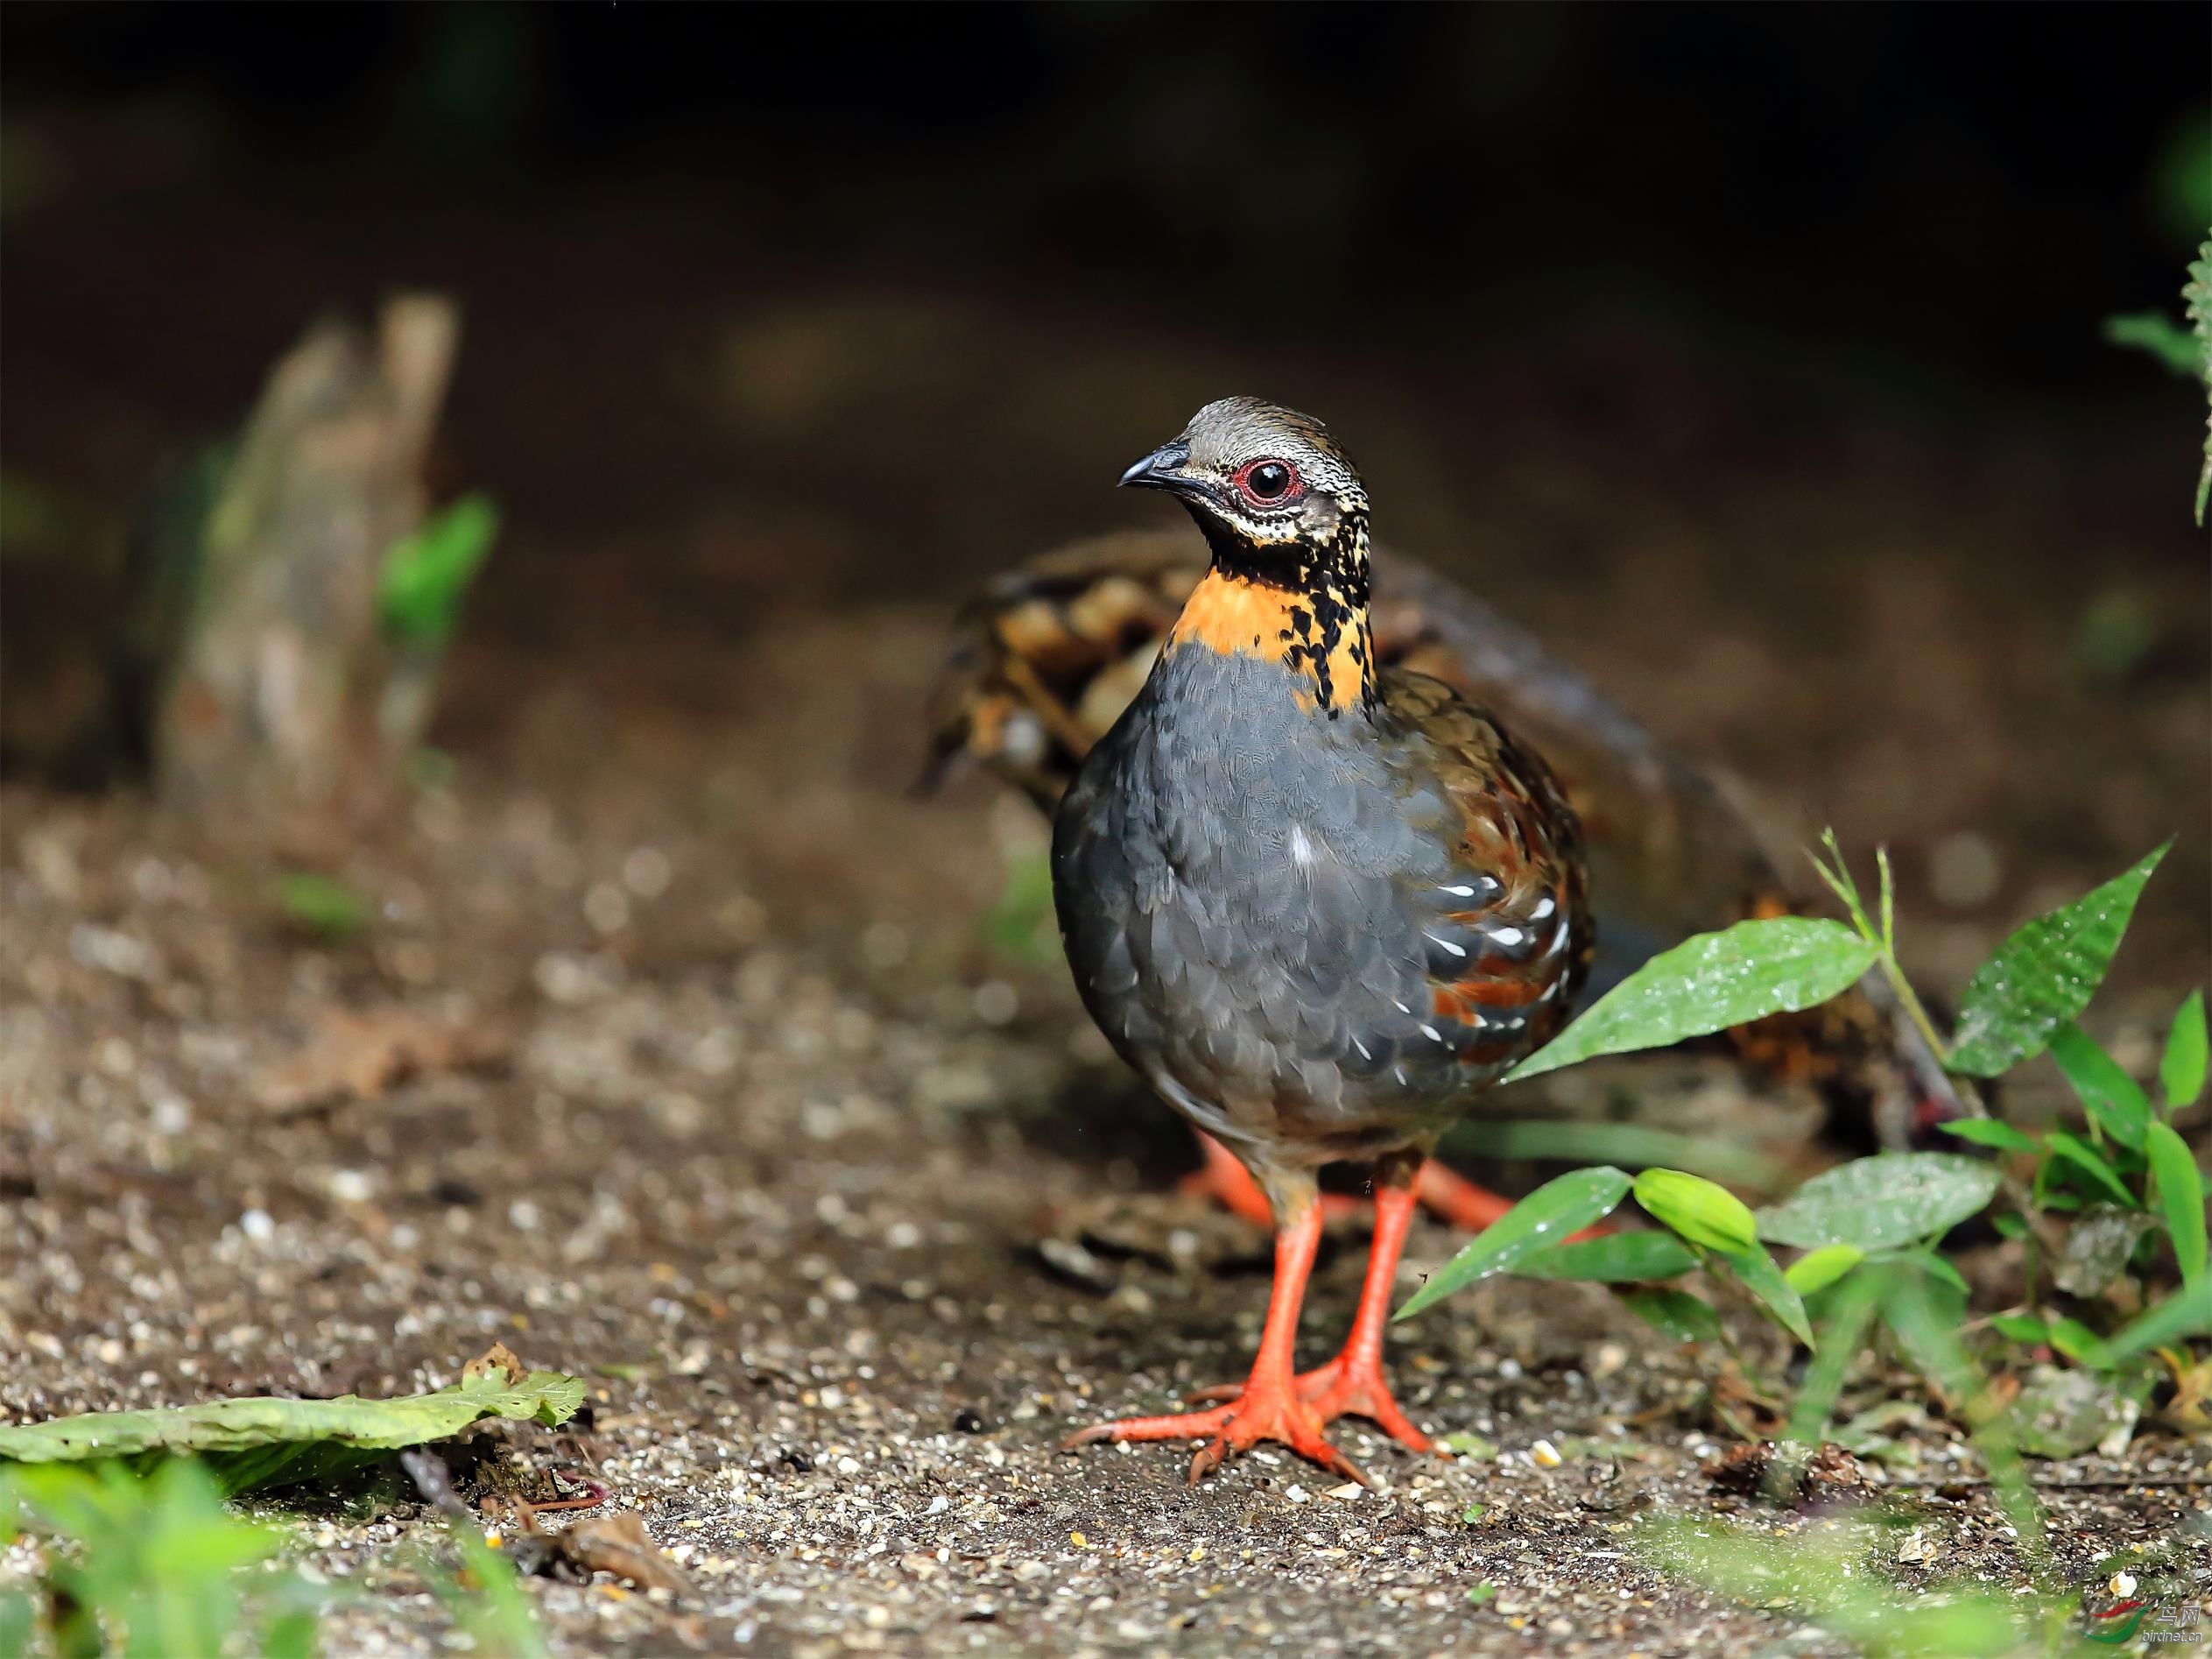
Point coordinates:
[(1321, 637)]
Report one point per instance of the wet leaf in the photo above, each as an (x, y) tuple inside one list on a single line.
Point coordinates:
[(2043, 975), (1675, 1314), (2098, 1245), (1881, 1203), (1823, 1268), (1560, 1207), (1699, 1210), (2115, 1101), (1620, 1258), (252, 1443), (1710, 983), (2181, 1070), (2180, 1187), (2061, 1414)]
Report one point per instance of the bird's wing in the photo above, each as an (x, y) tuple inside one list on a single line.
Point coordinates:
[(1506, 930)]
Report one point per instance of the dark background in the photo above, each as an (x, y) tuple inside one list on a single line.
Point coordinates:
[(1752, 354)]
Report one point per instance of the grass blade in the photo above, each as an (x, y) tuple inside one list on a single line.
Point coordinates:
[(2181, 1197), (2084, 1157)]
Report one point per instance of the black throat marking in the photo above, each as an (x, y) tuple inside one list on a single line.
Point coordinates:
[(1328, 636)]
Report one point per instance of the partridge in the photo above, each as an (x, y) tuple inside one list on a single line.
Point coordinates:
[(1045, 660), (1318, 904)]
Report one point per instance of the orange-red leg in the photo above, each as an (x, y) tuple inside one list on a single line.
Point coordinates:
[(1352, 1385), (1456, 1199), (1269, 1406), (1224, 1179)]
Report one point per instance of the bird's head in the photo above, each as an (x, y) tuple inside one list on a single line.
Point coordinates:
[(1287, 518), (1274, 494)]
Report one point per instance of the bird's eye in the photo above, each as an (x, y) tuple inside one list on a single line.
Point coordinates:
[(1268, 480)]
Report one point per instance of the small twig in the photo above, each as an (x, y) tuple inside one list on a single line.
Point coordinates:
[(595, 1493)]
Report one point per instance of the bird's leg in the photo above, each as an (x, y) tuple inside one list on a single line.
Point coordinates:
[(1352, 1385), (1224, 1179), (1269, 1407), (1453, 1198)]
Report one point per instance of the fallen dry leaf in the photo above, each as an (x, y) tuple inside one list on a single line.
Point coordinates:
[(358, 1056), (499, 1358), (617, 1545)]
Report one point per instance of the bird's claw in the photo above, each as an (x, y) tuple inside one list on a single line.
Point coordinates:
[(1339, 1389), (1254, 1414)]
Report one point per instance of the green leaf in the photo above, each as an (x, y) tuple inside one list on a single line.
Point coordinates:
[(2180, 1186), (2115, 1101), (1756, 1271), (2186, 1313), (2077, 1342), (322, 905), (1881, 1203), (426, 574), (2020, 1327), (1712, 981), (1702, 1212), (1675, 1314), (1620, 1258), (2159, 334), (1470, 1446), (1823, 1268), (2181, 1071), (1939, 1268), (1558, 1207), (2076, 1153), (2043, 975), (1988, 1131), (253, 1442)]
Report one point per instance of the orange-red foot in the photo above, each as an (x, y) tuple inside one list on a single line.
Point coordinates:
[(1257, 1413), (1225, 1181), (1345, 1388)]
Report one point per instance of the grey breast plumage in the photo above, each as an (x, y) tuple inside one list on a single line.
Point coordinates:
[(1317, 937)]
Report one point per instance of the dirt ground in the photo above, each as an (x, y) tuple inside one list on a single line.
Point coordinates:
[(673, 1056)]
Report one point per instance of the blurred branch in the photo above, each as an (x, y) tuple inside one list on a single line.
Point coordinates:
[(268, 706)]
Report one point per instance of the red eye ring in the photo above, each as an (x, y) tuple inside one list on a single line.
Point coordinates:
[(1267, 481)]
